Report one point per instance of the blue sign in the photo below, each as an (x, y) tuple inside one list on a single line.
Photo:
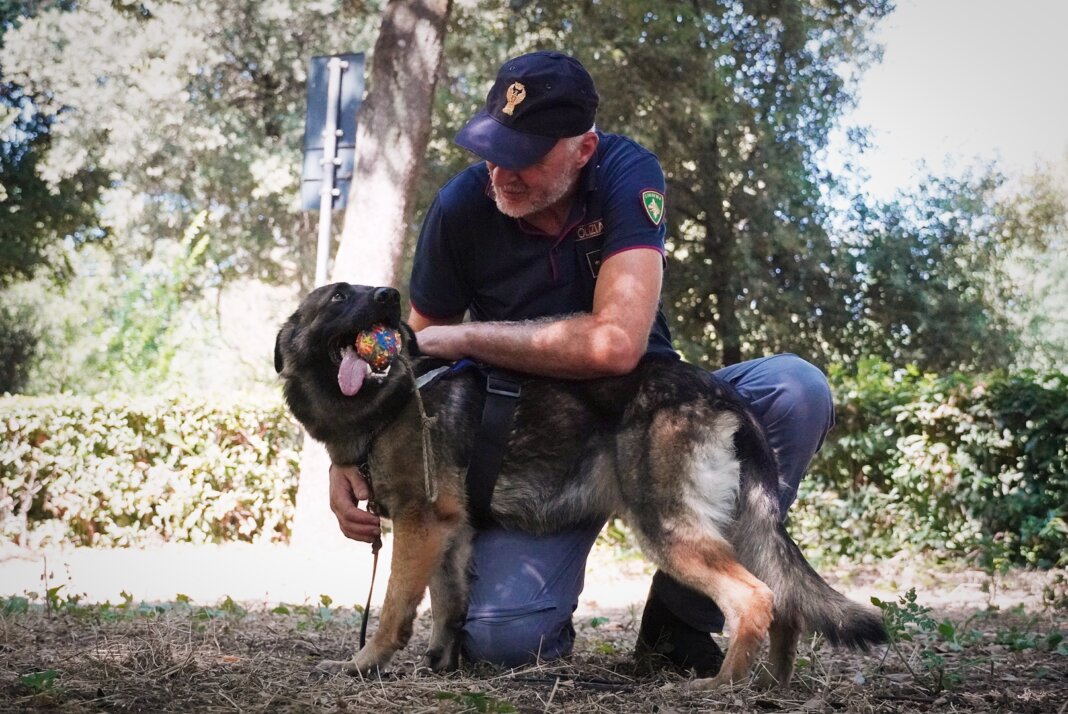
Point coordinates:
[(349, 99)]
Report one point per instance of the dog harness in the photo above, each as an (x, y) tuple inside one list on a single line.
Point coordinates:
[(503, 390), (491, 441)]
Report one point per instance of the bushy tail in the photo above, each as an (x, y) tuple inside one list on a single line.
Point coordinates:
[(803, 600)]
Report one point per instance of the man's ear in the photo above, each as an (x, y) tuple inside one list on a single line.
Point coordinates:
[(587, 147)]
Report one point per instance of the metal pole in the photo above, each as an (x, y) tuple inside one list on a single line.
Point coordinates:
[(330, 163)]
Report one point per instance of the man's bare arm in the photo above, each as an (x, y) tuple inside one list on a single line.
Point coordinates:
[(608, 341)]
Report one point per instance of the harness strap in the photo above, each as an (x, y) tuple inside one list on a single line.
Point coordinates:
[(491, 441), (430, 376), (445, 371)]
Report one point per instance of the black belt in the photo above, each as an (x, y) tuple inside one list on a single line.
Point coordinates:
[(491, 441)]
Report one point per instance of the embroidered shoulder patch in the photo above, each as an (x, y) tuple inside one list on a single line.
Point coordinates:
[(653, 203)]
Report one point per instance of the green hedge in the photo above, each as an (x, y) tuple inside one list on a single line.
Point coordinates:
[(123, 471), (964, 464)]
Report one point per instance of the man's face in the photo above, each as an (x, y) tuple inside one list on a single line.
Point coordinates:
[(524, 192)]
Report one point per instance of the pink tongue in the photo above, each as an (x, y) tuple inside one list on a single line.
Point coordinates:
[(351, 372)]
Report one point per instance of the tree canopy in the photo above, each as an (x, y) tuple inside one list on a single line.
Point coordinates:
[(769, 250), (931, 271), (129, 123), (189, 106), (36, 214)]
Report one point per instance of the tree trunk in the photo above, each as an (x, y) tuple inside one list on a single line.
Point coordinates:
[(719, 249), (391, 139)]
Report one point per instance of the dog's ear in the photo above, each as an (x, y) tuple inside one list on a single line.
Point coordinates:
[(408, 340), (279, 359)]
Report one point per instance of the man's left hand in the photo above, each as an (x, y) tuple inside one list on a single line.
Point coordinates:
[(444, 341)]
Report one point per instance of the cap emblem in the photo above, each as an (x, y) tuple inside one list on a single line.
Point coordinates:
[(515, 95)]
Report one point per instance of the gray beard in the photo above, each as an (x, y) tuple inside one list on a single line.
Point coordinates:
[(556, 191)]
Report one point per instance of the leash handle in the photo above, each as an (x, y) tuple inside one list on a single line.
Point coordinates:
[(375, 547)]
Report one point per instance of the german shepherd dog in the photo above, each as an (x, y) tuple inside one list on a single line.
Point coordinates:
[(668, 447)]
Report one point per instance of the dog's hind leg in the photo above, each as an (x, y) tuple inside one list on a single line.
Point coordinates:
[(448, 603), (710, 566), (419, 541), (783, 650)]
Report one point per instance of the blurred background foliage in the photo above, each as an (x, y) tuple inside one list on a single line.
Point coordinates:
[(151, 238), (968, 466), (130, 124), (962, 464), (112, 470)]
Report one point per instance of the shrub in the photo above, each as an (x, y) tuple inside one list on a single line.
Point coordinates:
[(956, 463), (18, 346), (121, 471)]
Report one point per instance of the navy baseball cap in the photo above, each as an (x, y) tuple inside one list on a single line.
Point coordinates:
[(536, 99)]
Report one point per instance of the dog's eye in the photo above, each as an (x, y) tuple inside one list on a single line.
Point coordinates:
[(337, 297)]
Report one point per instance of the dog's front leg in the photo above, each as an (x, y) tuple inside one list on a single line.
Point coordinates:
[(448, 601), (419, 540)]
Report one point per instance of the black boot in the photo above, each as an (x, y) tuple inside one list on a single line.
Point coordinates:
[(664, 639)]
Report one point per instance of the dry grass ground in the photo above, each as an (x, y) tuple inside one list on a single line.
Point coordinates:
[(184, 656)]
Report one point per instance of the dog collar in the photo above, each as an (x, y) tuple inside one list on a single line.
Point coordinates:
[(434, 374), (431, 376)]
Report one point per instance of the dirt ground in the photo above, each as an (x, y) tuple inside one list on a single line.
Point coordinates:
[(973, 642)]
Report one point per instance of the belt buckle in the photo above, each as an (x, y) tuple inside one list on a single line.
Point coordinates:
[(502, 386)]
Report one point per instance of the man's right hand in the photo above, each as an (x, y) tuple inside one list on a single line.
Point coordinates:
[(347, 488)]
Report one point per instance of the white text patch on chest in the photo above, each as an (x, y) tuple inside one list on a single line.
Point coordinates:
[(590, 230)]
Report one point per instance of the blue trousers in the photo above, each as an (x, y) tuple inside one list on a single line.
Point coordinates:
[(524, 588)]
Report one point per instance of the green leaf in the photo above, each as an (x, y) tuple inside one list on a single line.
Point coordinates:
[(232, 608), (16, 605), (38, 682)]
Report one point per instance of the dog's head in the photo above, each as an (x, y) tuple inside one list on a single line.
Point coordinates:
[(313, 352), (327, 322)]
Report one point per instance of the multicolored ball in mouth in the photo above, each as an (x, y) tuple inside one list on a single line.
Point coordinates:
[(372, 352), (378, 346)]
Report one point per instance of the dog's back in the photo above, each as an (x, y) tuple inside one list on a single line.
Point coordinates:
[(677, 453)]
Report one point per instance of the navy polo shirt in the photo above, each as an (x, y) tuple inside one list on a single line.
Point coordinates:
[(471, 257)]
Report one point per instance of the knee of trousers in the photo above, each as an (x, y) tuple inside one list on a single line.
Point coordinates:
[(803, 391), (797, 413), (804, 383), (520, 635)]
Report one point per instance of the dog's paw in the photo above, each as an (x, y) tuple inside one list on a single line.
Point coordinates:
[(766, 681), (709, 684), (335, 666), (442, 659), (352, 667)]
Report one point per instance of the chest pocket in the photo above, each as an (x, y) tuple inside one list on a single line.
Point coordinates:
[(593, 262)]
